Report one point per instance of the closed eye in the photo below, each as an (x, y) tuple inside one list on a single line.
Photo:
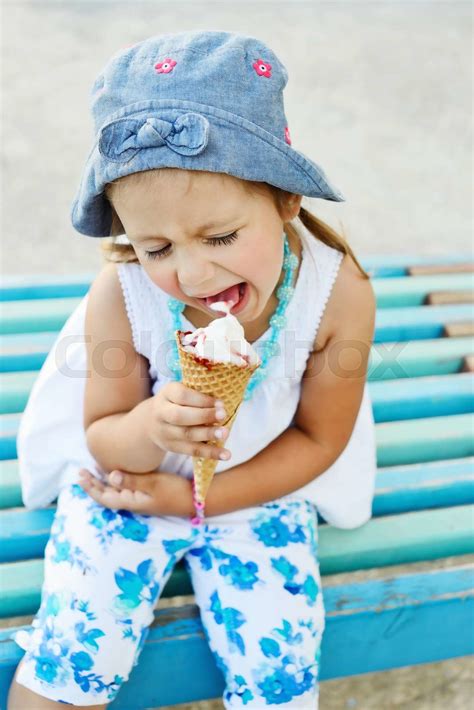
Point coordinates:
[(227, 239)]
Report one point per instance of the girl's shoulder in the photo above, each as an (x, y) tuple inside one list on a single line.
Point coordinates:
[(351, 306)]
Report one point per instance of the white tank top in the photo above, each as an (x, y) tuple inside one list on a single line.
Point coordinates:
[(344, 492), (54, 411)]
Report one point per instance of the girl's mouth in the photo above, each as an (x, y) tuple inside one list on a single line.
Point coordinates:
[(238, 291)]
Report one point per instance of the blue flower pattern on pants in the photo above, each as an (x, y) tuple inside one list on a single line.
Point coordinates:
[(242, 575), (232, 619), (54, 661), (256, 579), (60, 549), (112, 523), (279, 531), (135, 587)]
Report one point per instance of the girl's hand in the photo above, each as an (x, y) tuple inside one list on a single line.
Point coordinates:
[(181, 419), (154, 493)]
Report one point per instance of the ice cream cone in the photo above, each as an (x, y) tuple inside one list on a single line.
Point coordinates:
[(223, 380)]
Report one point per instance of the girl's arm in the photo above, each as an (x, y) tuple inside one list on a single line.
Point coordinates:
[(331, 394), (118, 441), (117, 397)]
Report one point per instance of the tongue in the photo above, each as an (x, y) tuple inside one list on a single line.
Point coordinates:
[(230, 294)]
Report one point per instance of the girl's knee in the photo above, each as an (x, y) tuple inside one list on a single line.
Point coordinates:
[(22, 698)]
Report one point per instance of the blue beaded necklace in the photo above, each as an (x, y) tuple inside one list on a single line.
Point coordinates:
[(277, 323)]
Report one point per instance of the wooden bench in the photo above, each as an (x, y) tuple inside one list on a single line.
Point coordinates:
[(379, 615)]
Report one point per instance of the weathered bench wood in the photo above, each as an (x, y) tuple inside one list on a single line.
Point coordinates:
[(440, 297), (463, 329), (446, 269), (423, 512)]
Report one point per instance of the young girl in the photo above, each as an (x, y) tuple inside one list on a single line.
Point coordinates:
[(193, 163)]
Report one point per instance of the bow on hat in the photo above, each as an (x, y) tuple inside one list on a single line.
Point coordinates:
[(122, 139)]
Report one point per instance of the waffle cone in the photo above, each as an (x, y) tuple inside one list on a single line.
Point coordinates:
[(222, 380)]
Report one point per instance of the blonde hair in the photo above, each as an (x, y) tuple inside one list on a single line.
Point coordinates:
[(114, 250)]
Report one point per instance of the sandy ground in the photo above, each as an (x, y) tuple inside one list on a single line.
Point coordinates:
[(379, 94)]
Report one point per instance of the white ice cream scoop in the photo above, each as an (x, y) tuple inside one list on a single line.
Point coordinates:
[(223, 340)]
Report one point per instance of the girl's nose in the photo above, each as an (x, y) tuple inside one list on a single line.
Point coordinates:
[(195, 276)]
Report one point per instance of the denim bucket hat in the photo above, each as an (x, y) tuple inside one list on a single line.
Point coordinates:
[(198, 100)]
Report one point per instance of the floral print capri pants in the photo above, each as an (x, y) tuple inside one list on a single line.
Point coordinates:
[(256, 579)]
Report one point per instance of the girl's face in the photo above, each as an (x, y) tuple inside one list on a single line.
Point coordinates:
[(198, 233)]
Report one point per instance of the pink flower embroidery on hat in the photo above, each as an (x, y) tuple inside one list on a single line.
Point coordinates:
[(287, 135), (165, 66), (262, 68)]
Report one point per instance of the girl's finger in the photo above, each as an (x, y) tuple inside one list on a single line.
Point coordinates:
[(109, 497), (141, 483), (206, 451), (200, 434), (181, 394), (106, 496), (193, 416), (135, 501), (91, 489), (116, 479), (89, 482), (188, 446)]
